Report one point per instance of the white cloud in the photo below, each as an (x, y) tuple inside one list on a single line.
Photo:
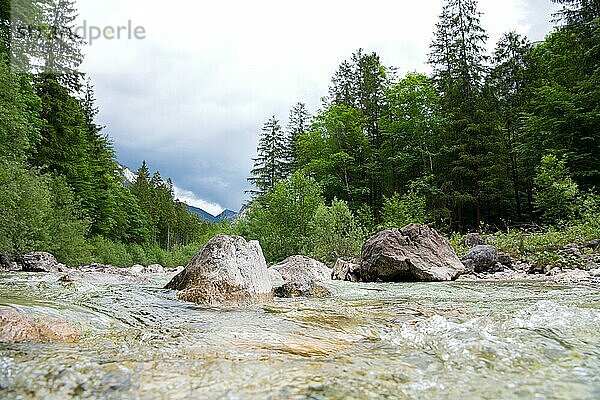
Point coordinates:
[(192, 199), (191, 98)]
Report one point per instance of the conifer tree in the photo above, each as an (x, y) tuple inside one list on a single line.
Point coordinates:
[(458, 60), (270, 166), (298, 125)]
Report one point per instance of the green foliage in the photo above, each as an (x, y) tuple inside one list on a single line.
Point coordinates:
[(337, 233), (399, 211), (282, 219), (272, 163), (38, 213), (556, 194)]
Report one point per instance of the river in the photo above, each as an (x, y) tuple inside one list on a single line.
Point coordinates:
[(467, 340)]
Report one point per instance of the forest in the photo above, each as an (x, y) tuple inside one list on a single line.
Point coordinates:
[(504, 142)]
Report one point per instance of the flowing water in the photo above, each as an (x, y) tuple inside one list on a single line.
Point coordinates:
[(467, 340)]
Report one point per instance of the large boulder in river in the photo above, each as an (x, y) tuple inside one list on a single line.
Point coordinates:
[(42, 262), (415, 253), (303, 277), (228, 270)]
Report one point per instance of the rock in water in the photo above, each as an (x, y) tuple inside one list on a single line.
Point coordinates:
[(303, 277), (17, 327), (415, 253), (228, 270), (345, 271), (41, 262)]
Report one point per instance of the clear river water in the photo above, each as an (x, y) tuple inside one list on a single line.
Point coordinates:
[(462, 340)]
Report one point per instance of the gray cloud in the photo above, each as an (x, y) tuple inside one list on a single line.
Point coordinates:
[(192, 97)]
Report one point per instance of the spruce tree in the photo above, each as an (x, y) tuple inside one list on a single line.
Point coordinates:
[(61, 50), (458, 60), (270, 166), (298, 125)]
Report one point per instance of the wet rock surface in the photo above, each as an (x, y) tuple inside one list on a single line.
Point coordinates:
[(415, 253), (18, 327), (346, 271), (303, 277), (228, 270)]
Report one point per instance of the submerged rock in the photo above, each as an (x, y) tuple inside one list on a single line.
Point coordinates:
[(413, 253), (18, 327), (42, 262), (346, 271), (303, 277), (228, 270)]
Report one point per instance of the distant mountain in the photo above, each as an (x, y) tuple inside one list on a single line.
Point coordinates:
[(127, 175), (226, 215)]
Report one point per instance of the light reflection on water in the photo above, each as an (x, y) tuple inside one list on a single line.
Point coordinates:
[(459, 340)]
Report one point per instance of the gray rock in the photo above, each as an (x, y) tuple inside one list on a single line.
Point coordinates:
[(571, 249), (592, 261), (154, 269), (137, 269), (593, 244), (505, 259), (229, 271), (345, 271), (303, 277), (595, 272), (5, 264), (473, 239), (483, 259), (276, 278), (413, 253), (42, 262)]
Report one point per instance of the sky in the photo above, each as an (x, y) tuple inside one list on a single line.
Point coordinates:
[(191, 97)]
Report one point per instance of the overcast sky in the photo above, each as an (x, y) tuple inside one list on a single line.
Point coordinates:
[(191, 98)]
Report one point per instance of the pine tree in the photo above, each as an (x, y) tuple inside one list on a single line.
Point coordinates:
[(270, 165), (298, 125), (360, 84), (60, 52), (458, 60)]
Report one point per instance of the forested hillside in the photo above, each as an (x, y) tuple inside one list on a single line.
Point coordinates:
[(61, 189)]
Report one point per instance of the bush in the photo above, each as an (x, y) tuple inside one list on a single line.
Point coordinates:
[(282, 219), (555, 194), (337, 233), (38, 213), (401, 211)]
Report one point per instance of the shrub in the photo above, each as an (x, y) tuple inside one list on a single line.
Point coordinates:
[(337, 233), (399, 211), (555, 194), (282, 219)]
